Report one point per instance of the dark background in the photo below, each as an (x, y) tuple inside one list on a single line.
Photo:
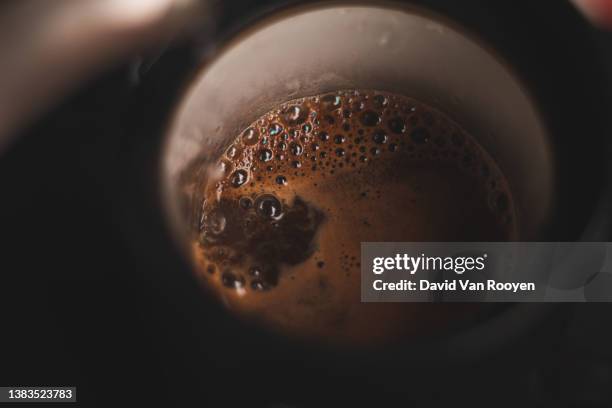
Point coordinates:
[(93, 294)]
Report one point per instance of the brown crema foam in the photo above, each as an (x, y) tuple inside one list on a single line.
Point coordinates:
[(292, 198)]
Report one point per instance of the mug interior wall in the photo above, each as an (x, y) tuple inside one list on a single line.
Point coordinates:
[(325, 49)]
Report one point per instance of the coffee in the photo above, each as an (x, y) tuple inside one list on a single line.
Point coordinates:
[(292, 198)]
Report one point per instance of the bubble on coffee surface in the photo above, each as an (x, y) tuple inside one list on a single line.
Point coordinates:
[(315, 177)]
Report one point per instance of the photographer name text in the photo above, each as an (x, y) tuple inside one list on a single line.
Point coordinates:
[(453, 285)]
